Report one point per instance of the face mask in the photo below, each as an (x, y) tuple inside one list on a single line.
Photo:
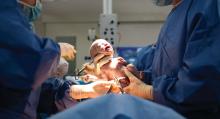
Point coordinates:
[(162, 2), (32, 12)]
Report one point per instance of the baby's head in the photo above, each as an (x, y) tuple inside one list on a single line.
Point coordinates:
[(101, 46), (113, 68)]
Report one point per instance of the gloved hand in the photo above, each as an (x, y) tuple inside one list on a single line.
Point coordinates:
[(137, 87), (91, 90), (98, 62), (67, 51), (89, 68), (99, 88), (61, 69), (89, 78)]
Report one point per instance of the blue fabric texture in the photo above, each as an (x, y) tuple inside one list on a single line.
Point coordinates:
[(143, 62), (186, 64), (53, 90), (65, 86), (47, 96), (25, 62), (118, 107)]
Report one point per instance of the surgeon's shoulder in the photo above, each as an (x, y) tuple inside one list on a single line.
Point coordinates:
[(218, 5), (205, 12), (212, 11)]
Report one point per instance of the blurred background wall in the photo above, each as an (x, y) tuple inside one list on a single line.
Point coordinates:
[(140, 22)]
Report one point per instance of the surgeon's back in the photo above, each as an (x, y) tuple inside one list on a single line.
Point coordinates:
[(25, 60)]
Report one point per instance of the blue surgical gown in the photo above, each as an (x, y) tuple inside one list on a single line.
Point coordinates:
[(186, 64), (25, 60), (143, 62), (114, 106)]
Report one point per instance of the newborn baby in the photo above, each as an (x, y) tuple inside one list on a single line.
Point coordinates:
[(109, 68)]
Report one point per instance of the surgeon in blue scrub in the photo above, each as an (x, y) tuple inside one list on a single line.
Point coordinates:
[(145, 53), (25, 59), (186, 63)]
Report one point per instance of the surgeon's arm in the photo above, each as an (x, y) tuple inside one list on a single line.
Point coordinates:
[(143, 62), (137, 87), (49, 53), (197, 82), (92, 90), (196, 86)]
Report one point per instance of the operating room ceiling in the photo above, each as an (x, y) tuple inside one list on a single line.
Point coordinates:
[(89, 10)]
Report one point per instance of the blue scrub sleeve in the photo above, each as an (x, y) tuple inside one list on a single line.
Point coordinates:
[(147, 77), (197, 85), (26, 60), (143, 62)]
